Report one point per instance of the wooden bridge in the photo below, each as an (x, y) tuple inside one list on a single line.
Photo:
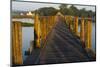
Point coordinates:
[(57, 40)]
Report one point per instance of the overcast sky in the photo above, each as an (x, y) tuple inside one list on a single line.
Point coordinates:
[(29, 6)]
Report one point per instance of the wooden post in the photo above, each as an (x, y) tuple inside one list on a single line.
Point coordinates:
[(41, 26), (76, 25), (66, 18), (69, 24), (50, 22), (17, 43), (89, 33), (82, 33), (37, 30), (53, 20), (44, 27)]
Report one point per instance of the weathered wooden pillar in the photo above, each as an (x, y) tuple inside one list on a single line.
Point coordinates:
[(50, 22), (47, 25), (44, 27), (82, 32), (54, 20), (37, 30), (76, 25), (69, 23), (17, 43), (41, 27), (89, 33)]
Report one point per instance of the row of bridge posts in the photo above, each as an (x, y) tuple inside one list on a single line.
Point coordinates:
[(76, 25), (85, 33), (44, 24), (42, 27)]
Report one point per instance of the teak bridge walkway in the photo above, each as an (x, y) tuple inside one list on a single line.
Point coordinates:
[(56, 40)]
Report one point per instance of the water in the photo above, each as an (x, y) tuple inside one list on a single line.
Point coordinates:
[(93, 36), (24, 20), (27, 36)]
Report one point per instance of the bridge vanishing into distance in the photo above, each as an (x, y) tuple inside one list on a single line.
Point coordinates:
[(56, 40)]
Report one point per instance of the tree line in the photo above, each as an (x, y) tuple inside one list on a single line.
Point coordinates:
[(65, 10)]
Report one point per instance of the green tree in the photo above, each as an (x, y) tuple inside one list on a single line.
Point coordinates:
[(73, 10), (83, 12), (47, 11), (63, 9)]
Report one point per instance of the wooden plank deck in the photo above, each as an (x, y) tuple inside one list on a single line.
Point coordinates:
[(61, 47)]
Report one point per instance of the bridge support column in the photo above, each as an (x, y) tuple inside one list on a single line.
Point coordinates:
[(17, 43), (82, 33), (76, 26), (37, 30), (89, 33), (44, 28), (70, 25)]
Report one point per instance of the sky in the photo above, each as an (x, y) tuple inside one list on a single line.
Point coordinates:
[(31, 6)]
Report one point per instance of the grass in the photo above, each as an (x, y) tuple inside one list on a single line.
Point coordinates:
[(27, 24)]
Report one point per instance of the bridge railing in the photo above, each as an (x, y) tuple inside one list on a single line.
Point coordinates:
[(17, 58), (42, 27), (85, 25)]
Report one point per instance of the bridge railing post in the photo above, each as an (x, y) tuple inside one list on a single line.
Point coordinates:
[(82, 32), (17, 43), (89, 33), (42, 28), (37, 30), (76, 25), (68, 22)]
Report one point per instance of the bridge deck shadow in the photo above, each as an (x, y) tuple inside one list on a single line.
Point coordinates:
[(61, 47)]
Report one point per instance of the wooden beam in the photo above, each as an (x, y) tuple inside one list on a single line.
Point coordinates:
[(76, 25), (82, 32), (17, 43), (89, 33)]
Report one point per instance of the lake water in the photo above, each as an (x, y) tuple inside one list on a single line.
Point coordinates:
[(93, 36), (27, 37), (24, 20)]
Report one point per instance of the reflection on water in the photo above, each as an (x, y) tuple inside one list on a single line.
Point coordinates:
[(27, 36)]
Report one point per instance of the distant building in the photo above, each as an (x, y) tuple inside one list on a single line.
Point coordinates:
[(21, 14), (29, 13)]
